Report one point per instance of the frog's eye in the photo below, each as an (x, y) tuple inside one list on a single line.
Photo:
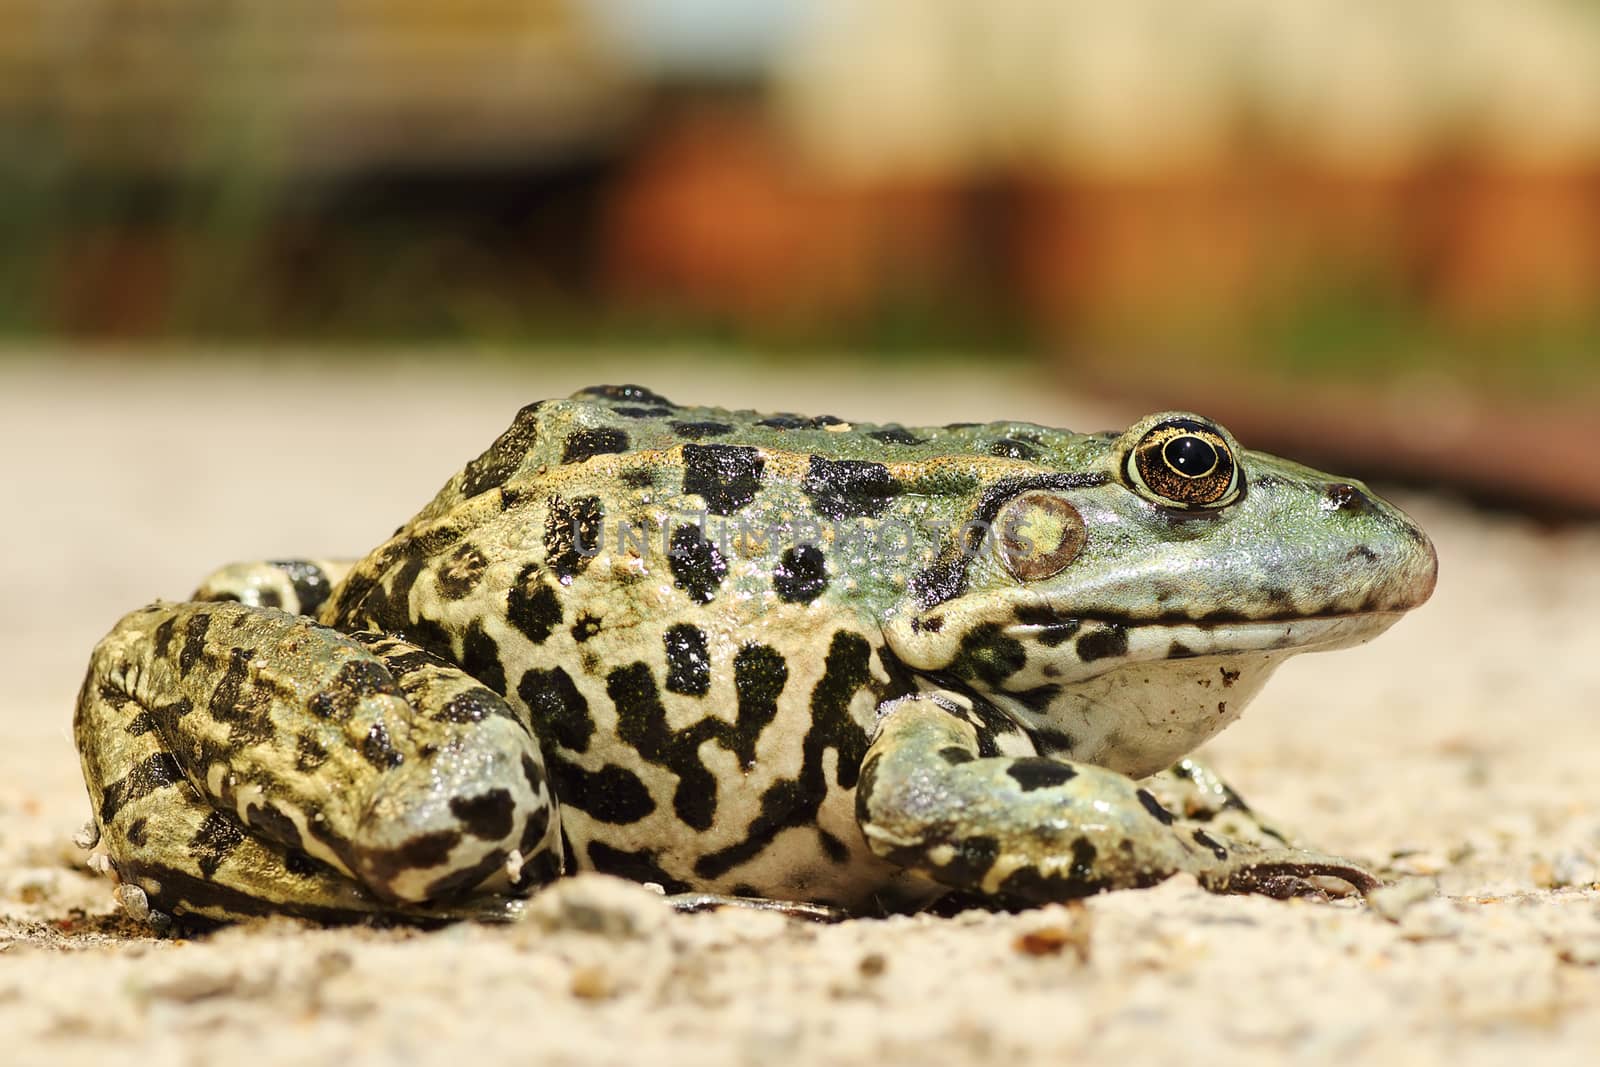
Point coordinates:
[(1184, 464), (1037, 534)]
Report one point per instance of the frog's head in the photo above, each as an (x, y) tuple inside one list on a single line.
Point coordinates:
[(1127, 604)]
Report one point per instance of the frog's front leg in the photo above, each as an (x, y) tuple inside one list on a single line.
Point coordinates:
[(1036, 829), (243, 760), (1194, 791)]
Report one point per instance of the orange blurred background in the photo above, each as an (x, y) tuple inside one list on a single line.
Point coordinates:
[(1394, 205)]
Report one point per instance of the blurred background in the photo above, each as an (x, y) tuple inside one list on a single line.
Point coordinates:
[(1362, 232)]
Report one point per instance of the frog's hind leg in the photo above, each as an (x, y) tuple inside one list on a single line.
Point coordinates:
[(298, 586), (934, 798), (243, 760)]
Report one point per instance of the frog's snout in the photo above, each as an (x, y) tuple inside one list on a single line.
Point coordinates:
[(1403, 561)]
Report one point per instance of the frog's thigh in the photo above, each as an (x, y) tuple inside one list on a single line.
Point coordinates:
[(1039, 829), (248, 754)]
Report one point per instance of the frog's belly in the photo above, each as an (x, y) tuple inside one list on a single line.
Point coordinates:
[(785, 855)]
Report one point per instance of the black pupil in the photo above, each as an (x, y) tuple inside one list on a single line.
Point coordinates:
[(1190, 456)]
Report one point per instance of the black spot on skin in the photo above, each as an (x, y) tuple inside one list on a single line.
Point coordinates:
[(930, 624), (960, 425), (697, 565), (638, 866), (560, 713), (1052, 628), (643, 413), (265, 598), (1228, 677), (586, 627), (301, 865), (1039, 697), (638, 478), (1036, 773), (407, 662), (1179, 650), (636, 394), (1029, 884), (1103, 644), (572, 535), (474, 705), (820, 422), (585, 444), (1362, 552), (688, 660), (759, 675), (1011, 448), (245, 710), (1345, 497), (836, 850), (461, 571), (154, 773), (785, 422), (272, 823), (309, 754), (487, 817), (944, 579), (194, 641), (895, 435), (849, 488), (988, 655), (138, 832), (611, 795), (142, 723), (480, 657), (355, 681), (214, 841), (533, 607), (1205, 840), (378, 750), (954, 754), (381, 866), (974, 857), (696, 431), (500, 462), (727, 477), (161, 641), (1053, 741), (311, 585), (533, 774), (641, 722), (1153, 806), (801, 574), (795, 801)]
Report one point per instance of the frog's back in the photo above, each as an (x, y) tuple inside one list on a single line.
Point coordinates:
[(689, 604)]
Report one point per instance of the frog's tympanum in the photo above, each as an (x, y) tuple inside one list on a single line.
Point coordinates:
[(759, 656)]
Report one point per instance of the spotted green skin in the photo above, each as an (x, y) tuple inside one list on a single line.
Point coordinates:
[(724, 652)]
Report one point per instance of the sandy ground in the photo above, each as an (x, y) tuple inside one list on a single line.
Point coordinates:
[(1458, 752)]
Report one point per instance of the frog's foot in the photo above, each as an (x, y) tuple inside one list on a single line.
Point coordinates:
[(242, 761), (1036, 829), (1194, 791), (298, 586)]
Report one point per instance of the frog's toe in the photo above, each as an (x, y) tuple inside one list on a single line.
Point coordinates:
[(1290, 873)]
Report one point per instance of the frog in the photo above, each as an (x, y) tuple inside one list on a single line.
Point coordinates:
[(742, 656)]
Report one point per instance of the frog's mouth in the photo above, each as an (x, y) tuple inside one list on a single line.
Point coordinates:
[(1101, 643)]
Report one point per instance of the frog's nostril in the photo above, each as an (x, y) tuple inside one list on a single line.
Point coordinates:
[(1342, 496)]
